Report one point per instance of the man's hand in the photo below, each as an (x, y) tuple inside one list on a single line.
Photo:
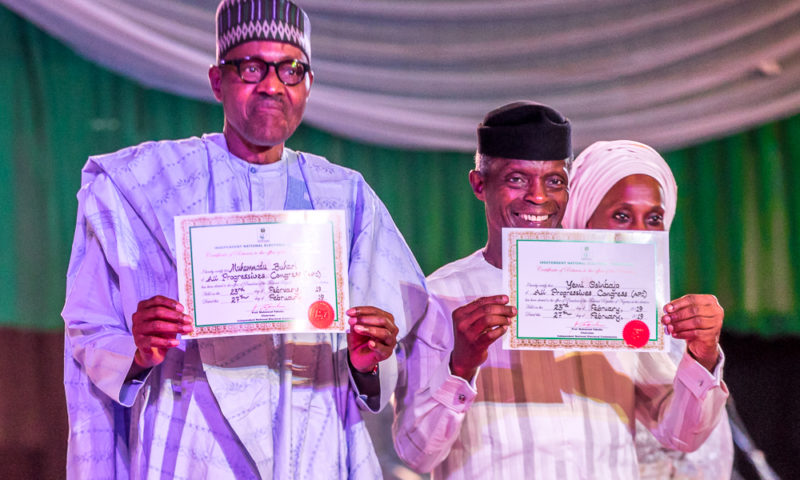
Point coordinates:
[(698, 320), (477, 325), (156, 324), (372, 337)]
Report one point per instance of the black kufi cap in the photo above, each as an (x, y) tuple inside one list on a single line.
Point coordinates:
[(525, 131)]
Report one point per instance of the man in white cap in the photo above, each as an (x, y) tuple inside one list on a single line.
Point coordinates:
[(144, 402), (467, 408)]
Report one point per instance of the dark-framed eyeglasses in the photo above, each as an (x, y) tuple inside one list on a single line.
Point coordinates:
[(253, 69)]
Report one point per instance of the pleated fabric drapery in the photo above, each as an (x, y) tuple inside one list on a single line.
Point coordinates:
[(419, 74)]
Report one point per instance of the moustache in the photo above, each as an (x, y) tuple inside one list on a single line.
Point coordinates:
[(269, 102)]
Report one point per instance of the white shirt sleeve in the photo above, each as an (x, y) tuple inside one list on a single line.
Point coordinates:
[(430, 401), (684, 419)]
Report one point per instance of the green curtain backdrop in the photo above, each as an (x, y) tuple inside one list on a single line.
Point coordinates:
[(735, 233)]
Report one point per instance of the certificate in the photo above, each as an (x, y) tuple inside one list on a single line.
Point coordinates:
[(586, 289), (263, 272)]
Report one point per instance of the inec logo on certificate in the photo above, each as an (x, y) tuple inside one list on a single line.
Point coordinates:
[(586, 255), (262, 235)]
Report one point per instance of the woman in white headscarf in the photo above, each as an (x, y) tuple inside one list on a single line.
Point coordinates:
[(625, 185), (601, 167)]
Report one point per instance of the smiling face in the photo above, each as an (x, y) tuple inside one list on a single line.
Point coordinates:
[(520, 194), (634, 203), (260, 116)]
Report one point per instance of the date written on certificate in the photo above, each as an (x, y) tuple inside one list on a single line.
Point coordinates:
[(586, 289), (263, 272)]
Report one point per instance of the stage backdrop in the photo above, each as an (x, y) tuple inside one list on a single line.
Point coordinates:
[(418, 73), (733, 236)]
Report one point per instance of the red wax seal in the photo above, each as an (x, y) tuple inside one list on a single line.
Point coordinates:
[(636, 334), (320, 314)]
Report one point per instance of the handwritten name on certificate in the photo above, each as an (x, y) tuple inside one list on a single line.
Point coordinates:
[(263, 272), (586, 289)]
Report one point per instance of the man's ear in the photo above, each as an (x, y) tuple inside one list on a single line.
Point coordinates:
[(310, 79), (215, 79), (476, 180)]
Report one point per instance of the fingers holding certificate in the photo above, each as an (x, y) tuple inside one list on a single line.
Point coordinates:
[(263, 272), (372, 337), (476, 326), (696, 318), (155, 326)]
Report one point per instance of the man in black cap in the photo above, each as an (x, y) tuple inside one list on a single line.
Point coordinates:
[(521, 165), (520, 174), (466, 408), (144, 402)]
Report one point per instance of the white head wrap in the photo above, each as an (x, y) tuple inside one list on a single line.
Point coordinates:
[(598, 168)]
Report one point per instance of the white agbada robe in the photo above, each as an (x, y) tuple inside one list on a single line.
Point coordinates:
[(538, 414)]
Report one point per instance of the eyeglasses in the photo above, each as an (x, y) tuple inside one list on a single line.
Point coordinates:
[(254, 70)]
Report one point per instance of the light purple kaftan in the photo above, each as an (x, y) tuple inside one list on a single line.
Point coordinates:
[(269, 406)]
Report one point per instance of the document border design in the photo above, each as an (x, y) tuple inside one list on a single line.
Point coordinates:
[(661, 251), (183, 226)]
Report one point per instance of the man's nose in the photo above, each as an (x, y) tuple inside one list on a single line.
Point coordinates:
[(270, 84), (537, 193)]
